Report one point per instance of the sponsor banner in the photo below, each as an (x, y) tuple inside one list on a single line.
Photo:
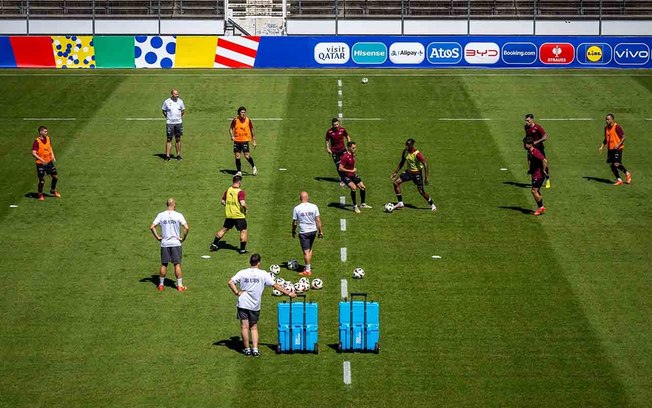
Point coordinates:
[(594, 53), (369, 53), (406, 53), (632, 54), (326, 52), (444, 53), (332, 53), (560, 53), (481, 53), (519, 53)]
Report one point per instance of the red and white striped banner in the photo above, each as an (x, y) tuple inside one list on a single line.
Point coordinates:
[(236, 52)]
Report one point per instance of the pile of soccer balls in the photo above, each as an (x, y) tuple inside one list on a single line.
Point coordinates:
[(302, 286)]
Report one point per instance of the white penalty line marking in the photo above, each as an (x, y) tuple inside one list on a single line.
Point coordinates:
[(346, 367), (342, 201), (564, 119), (343, 254), (342, 224), (365, 119), (344, 289), (43, 119), (463, 119)]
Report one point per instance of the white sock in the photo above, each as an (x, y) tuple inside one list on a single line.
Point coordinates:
[(180, 282), (161, 280), (255, 350), (307, 267)]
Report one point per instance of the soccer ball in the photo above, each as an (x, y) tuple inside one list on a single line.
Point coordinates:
[(358, 273), (280, 281), (288, 286), (276, 292), (317, 284), (389, 207), (293, 265), (305, 280), (364, 80), (275, 269), (300, 287)]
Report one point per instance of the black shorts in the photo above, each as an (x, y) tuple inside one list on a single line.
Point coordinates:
[(43, 169), (416, 177), (306, 240), (239, 223), (354, 179), (171, 254), (240, 147), (537, 183), (252, 315), (174, 130), (337, 156), (614, 156)]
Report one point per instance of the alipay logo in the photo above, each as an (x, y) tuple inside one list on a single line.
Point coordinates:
[(632, 54), (369, 53), (524, 53), (444, 53)]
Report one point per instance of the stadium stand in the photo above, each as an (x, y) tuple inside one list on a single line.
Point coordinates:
[(496, 9)]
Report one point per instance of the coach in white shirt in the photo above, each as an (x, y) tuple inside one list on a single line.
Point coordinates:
[(252, 282), (171, 222), (306, 217), (173, 110)]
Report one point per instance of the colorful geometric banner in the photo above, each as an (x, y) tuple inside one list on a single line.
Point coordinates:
[(7, 59), (33, 52), (195, 52), (114, 51), (73, 51), (236, 52), (155, 51)]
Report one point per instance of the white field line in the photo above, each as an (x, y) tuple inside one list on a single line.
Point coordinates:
[(343, 254), (342, 201), (208, 73), (344, 289), (346, 368), (463, 119), (342, 224), (365, 119), (43, 119), (143, 119), (648, 118), (566, 119)]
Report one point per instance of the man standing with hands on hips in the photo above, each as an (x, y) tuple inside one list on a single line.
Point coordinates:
[(252, 282), (173, 110), (171, 222)]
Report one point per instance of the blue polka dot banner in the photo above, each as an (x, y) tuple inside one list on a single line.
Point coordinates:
[(72, 51), (155, 51)]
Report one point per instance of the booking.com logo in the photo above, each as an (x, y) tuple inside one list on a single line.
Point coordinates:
[(519, 53), (444, 53)]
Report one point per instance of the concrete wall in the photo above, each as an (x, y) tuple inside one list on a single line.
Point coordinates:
[(330, 27)]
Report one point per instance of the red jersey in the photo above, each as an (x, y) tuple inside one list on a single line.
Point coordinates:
[(348, 162), (535, 132), (536, 163), (337, 138)]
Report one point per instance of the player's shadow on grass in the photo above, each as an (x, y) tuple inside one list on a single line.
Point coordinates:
[(598, 179), (35, 195), (300, 268), (515, 208), (517, 184), (222, 245), (339, 206), (153, 279), (228, 171), (329, 179), (162, 156), (234, 343)]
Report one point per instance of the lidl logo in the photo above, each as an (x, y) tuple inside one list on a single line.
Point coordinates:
[(369, 53), (594, 53), (631, 54), (444, 53)]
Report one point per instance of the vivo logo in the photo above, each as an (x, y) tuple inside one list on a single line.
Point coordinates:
[(632, 54)]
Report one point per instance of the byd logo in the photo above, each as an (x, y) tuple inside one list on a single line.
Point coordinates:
[(631, 54), (557, 53), (481, 53)]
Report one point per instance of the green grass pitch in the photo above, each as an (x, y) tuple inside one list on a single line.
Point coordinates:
[(520, 311)]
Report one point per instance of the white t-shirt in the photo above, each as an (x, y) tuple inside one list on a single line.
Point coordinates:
[(170, 222), (252, 282), (306, 214), (173, 110)]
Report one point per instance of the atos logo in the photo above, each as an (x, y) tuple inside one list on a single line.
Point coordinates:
[(481, 53), (594, 54), (557, 53), (631, 54), (519, 53), (444, 53)]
